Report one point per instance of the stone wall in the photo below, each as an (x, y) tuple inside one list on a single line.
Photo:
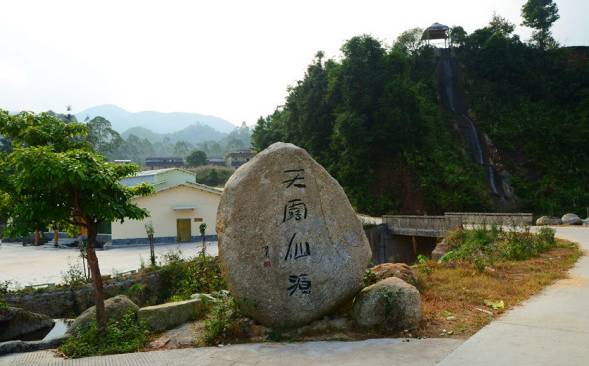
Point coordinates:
[(68, 302)]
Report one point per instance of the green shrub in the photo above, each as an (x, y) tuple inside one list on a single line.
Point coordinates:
[(124, 336), (422, 265), (213, 175), (184, 277), (74, 276), (224, 322)]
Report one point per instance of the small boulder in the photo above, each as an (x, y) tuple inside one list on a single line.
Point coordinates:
[(392, 304), (172, 314), (571, 219), (115, 307), (548, 220), (17, 322), (399, 270)]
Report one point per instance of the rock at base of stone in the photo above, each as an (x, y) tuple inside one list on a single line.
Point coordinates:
[(390, 304), (399, 270), (169, 315), (115, 307), (571, 219), (17, 322), (548, 220), (291, 246)]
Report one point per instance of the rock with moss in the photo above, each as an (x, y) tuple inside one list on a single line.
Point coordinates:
[(399, 270), (391, 304), (115, 307), (17, 322), (291, 246)]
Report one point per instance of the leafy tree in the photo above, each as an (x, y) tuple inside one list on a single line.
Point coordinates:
[(457, 36), (197, 158), (409, 41), (102, 137), (501, 25), (53, 175), (540, 15)]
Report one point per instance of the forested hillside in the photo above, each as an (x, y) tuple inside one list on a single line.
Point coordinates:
[(373, 119)]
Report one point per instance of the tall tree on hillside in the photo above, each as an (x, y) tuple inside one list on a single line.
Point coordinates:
[(409, 41), (102, 137), (457, 36), (540, 15), (501, 25), (53, 175)]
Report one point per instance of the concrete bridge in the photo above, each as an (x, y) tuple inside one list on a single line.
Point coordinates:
[(401, 238)]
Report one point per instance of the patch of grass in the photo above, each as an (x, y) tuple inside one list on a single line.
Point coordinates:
[(483, 246), (126, 335), (462, 290)]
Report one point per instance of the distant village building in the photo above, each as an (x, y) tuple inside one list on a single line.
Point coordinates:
[(177, 208), (237, 158), (164, 162), (123, 161), (216, 161)]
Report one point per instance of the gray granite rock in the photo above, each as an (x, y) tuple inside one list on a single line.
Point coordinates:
[(571, 219), (291, 246), (116, 307), (172, 314), (16, 322), (391, 304)]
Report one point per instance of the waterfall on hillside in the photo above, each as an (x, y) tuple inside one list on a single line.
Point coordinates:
[(455, 103)]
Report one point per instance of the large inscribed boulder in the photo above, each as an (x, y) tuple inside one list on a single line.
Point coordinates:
[(291, 246)]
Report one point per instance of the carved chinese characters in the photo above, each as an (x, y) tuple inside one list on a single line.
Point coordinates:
[(290, 244)]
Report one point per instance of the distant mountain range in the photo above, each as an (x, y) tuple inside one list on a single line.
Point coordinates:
[(157, 122), (194, 134)]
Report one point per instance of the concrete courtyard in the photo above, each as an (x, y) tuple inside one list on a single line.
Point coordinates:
[(32, 265)]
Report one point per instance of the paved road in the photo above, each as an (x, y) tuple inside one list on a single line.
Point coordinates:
[(549, 329), (378, 352), (45, 264)]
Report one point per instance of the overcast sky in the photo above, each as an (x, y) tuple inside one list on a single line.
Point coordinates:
[(232, 59)]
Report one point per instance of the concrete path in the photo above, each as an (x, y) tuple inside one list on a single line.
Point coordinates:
[(32, 265), (551, 328), (385, 352)]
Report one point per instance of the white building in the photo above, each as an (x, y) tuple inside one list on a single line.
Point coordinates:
[(177, 209)]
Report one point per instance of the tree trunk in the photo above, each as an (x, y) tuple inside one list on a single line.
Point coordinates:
[(96, 277), (37, 240), (55, 235)]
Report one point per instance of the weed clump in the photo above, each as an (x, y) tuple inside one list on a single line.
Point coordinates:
[(225, 322)]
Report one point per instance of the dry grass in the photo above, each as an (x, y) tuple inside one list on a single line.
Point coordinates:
[(453, 297)]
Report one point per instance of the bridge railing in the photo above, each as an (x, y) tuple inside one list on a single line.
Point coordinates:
[(414, 225), (437, 226), (492, 218)]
